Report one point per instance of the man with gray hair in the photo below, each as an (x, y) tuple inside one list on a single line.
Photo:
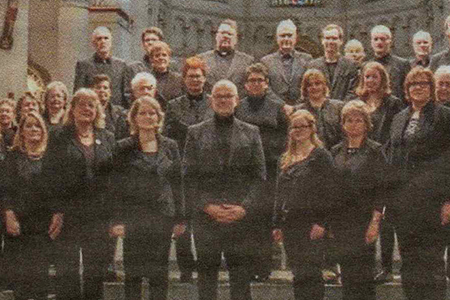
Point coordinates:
[(144, 84), (287, 65), (397, 67), (102, 62), (422, 45), (224, 170), (442, 78), (442, 58)]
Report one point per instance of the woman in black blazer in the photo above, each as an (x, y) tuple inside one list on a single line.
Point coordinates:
[(84, 152), (148, 197), (32, 216), (418, 144), (304, 198), (361, 168)]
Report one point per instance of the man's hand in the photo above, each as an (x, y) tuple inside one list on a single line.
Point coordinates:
[(373, 230), (445, 213), (178, 230), (317, 232), (225, 213), (12, 224), (56, 225), (277, 235)]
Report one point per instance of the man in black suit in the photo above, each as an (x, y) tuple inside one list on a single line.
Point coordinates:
[(422, 45), (286, 66), (442, 58), (102, 62), (225, 62), (341, 72), (397, 67), (223, 169)]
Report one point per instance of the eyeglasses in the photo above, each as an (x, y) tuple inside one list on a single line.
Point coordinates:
[(300, 127), (256, 80), (420, 84)]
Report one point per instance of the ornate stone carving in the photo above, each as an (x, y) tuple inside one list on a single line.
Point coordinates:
[(7, 40)]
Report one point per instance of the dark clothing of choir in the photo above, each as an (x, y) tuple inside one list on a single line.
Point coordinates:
[(285, 82), (114, 67), (342, 76)]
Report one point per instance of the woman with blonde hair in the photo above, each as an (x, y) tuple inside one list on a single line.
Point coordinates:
[(304, 197), (361, 169), (148, 199), (28, 103), (56, 100), (84, 151), (32, 215)]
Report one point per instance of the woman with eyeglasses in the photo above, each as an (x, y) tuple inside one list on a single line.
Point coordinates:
[(418, 154), (304, 198), (361, 167)]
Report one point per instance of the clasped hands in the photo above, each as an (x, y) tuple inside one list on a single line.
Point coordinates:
[(225, 213)]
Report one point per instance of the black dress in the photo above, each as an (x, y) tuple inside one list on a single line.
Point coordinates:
[(361, 172), (28, 186), (148, 198), (82, 180), (305, 197)]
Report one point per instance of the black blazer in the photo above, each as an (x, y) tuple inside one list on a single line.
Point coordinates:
[(271, 120), (28, 191), (210, 180), (286, 88), (236, 72), (414, 167), (141, 189), (86, 200), (115, 68), (343, 82), (305, 191), (182, 113), (440, 59), (397, 68), (116, 121), (328, 121)]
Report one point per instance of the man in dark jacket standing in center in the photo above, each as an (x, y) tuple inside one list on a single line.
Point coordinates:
[(223, 170)]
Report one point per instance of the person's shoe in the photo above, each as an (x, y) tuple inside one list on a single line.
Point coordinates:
[(383, 277), (331, 277)]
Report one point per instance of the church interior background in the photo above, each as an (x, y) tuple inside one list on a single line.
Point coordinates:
[(49, 36)]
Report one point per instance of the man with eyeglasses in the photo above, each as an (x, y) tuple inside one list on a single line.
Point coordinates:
[(224, 170), (287, 65), (225, 62), (265, 110), (340, 71), (397, 67)]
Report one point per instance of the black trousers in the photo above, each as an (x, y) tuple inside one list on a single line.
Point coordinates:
[(146, 254), (185, 257), (422, 249), (97, 252), (232, 240), (305, 258), (387, 242), (26, 260)]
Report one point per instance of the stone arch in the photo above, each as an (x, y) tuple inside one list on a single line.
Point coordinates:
[(207, 36), (261, 41), (193, 37), (178, 40), (38, 78)]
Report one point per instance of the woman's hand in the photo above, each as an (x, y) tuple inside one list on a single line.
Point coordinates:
[(445, 213), (56, 225), (117, 231), (277, 235), (317, 232), (373, 230), (178, 230), (12, 224)]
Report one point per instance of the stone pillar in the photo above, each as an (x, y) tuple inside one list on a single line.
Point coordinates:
[(14, 62)]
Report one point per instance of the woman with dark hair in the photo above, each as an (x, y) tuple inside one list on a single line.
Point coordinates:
[(304, 199), (327, 112), (418, 151), (84, 152), (56, 100), (374, 89), (355, 222), (148, 199), (32, 216)]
